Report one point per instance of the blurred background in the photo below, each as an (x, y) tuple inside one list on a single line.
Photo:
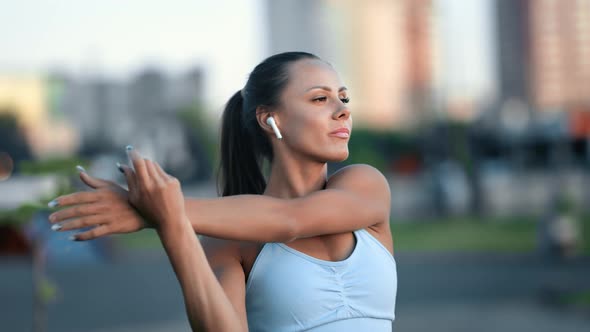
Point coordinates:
[(477, 112)]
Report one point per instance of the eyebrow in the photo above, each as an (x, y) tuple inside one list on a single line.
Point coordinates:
[(327, 88)]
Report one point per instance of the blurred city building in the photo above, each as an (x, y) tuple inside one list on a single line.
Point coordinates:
[(381, 48), (299, 25), (511, 32), (544, 56), (407, 63), (559, 39), (61, 114), (28, 97), (391, 50)]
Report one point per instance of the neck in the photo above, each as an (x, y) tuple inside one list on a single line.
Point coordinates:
[(291, 177)]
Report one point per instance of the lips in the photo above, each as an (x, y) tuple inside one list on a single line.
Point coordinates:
[(341, 132)]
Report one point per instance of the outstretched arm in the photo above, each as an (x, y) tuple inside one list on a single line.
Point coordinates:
[(355, 197)]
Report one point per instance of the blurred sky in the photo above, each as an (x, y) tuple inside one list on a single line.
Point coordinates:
[(117, 38), (227, 37), (469, 55)]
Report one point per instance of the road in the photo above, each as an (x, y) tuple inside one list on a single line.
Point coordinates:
[(442, 292)]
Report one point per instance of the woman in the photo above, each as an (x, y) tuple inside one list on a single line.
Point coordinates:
[(301, 252)]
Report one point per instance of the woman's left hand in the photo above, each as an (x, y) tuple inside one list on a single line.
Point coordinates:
[(156, 194), (106, 209)]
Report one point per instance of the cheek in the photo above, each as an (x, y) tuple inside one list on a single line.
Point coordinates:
[(301, 126), (305, 135)]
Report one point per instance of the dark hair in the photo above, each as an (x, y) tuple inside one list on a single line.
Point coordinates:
[(244, 145)]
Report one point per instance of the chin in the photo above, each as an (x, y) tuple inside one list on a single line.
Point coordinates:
[(338, 157), (330, 154)]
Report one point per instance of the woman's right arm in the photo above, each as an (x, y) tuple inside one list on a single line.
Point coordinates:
[(209, 307), (213, 285)]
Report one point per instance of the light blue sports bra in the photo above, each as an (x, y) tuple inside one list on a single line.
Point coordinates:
[(288, 290)]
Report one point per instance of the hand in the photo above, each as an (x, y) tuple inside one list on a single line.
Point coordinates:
[(107, 208), (155, 193)]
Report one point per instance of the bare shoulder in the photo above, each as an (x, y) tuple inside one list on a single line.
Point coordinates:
[(368, 181), (362, 177)]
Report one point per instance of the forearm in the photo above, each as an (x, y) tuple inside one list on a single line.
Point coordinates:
[(207, 305), (255, 218)]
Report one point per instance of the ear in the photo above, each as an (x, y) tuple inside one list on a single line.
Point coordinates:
[(263, 113)]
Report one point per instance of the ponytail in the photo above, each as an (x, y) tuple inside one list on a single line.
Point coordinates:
[(239, 168)]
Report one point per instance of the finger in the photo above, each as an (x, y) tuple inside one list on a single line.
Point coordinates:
[(129, 160), (81, 223), (138, 164), (151, 170), (93, 182), (161, 172), (92, 234), (130, 177), (81, 197), (75, 212)]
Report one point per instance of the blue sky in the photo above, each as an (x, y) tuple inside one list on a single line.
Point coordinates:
[(117, 38), (469, 52)]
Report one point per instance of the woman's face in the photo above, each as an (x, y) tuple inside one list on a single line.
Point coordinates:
[(312, 106)]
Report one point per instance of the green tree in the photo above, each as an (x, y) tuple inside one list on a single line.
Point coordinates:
[(12, 138)]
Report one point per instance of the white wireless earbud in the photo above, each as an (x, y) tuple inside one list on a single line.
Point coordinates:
[(271, 122)]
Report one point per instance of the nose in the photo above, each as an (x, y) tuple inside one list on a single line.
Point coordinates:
[(343, 112)]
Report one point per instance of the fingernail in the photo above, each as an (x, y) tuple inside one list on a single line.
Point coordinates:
[(80, 169), (53, 203), (129, 147), (72, 237), (56, 227), (120, 168)]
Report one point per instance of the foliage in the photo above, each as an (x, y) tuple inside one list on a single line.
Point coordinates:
[(20, 215), (65, 169), (12, 138), (379, 148), (585, 233), (48, 290), (579, 298), (465, 234), (516, 234), (459, 144), (202, 137), (59, 166)]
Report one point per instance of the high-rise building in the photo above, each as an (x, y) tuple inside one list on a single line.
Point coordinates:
[(559, 39), (379, 62), (421, 58), (512, 52), (381, 48), (298, 26)]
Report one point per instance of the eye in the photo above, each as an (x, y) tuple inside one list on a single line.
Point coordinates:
[(345, 100), (320, 99)]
